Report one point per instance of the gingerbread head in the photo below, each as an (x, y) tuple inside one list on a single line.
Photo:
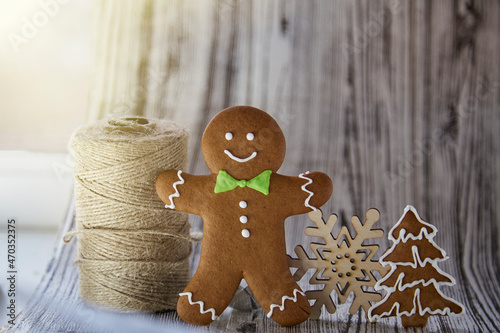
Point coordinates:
[(243, 203), (243, 141)]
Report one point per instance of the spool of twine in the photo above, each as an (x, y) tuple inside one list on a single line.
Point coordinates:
[(132, 252)]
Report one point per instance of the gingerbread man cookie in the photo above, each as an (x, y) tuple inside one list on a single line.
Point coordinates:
[(243, 203)]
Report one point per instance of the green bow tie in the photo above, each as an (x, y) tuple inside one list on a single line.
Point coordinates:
[(225, 182)]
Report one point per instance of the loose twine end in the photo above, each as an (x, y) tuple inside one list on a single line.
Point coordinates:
[(69, 236), (196, 236)]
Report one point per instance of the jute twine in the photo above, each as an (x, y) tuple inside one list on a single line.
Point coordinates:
[(132, 252)]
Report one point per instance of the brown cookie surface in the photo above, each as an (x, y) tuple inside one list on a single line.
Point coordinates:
[(243, 203), (414, 281)]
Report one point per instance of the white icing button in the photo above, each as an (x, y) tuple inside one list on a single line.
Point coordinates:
[(243, 204), (229, 136), (243, 219), (250, 136), (245, 233)]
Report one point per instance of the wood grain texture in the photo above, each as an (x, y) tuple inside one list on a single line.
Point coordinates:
[(398, 101)]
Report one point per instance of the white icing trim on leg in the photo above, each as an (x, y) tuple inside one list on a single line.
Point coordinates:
[(303, 187), (283, 299), (202, 305), (176, 194)]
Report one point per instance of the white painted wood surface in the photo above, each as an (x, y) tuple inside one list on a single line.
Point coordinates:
[(398, 101)]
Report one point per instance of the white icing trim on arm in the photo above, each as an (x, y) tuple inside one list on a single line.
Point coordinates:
[(238, 159), (202, 305), (303, 187), (176, 194), (283, 299)]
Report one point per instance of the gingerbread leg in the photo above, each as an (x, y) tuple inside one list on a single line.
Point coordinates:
[(207, 295), (279, 295)]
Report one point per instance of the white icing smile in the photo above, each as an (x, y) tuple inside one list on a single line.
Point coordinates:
[(238, 159)]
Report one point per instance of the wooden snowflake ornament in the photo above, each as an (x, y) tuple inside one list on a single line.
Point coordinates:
[(413, 283), (343, 265)]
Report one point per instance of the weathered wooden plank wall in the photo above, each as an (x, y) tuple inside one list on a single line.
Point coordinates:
[(398, 101)]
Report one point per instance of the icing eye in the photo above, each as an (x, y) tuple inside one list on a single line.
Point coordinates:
[(250, 136), (229, 136)]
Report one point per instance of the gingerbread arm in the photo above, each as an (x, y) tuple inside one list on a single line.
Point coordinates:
[(311, 191), (180, 191)]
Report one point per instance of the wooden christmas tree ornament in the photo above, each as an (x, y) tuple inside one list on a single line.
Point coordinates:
[(413, 284)]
